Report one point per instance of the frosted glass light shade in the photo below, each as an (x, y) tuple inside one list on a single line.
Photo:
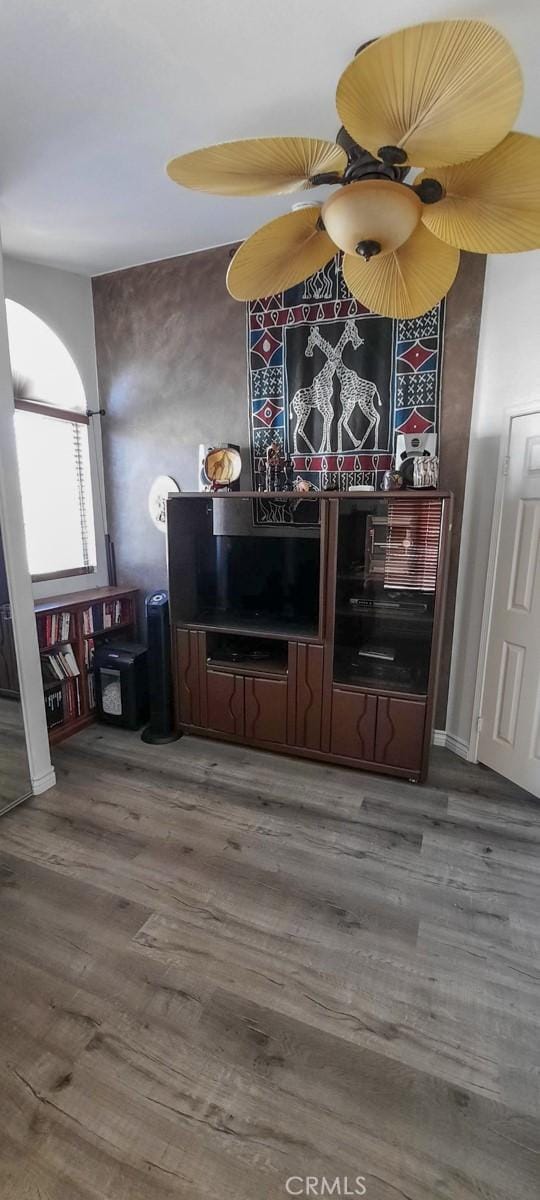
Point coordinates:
[(406, 282), (372, 210)]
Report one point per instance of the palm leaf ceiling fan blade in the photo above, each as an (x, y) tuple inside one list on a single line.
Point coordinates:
[(279, 255), (258, 166), (407, 282), (443, 92), (491, 205)]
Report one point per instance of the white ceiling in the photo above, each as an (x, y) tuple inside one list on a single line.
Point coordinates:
[(96, 96)]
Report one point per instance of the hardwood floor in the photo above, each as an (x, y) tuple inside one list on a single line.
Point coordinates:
[(14, 773), (223, 969)]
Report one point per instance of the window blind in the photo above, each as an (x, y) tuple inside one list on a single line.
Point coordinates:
[(412, 546), (56, 492)]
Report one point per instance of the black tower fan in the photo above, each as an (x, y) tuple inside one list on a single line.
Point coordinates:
[(161, 726)]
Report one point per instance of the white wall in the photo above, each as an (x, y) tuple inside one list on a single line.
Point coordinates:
[(507, 374), (20, 587), (64, 301)]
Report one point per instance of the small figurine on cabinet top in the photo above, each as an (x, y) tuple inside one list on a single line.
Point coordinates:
[(303, 485), (417, 459), (391, 480), (288, 472), (426, 471), (415, 448), (273, 466)]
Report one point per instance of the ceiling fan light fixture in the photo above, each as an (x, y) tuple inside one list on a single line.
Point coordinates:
[(371, 213)]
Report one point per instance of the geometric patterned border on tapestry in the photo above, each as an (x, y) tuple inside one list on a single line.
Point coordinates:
[(335, 383)]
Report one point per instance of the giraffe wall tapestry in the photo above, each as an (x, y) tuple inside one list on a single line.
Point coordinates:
[(334, 384)]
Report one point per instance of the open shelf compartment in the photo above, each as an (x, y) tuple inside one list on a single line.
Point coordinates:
[(247, 655)]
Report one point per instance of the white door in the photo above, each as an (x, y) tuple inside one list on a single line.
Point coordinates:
[(509, 738)]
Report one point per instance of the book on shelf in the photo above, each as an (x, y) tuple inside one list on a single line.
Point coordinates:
[(54, 707), (89, 647), (59, 664), (62, 702), (53, 628), (72, 699), (105, 615), (91, 692)]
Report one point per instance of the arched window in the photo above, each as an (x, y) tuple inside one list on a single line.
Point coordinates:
[(52, 447)]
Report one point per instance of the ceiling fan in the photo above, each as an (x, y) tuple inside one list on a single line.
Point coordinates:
[(442, 96)]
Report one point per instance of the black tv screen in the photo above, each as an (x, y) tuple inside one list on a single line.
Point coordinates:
[(240, 579), (262, 578)]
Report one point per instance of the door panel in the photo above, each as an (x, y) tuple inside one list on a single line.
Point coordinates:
[(265, 709), (509, 733), (509, 689), (225, 702), (187, 665), (353, 724), (525, 555), (309, 682), (400, 733)]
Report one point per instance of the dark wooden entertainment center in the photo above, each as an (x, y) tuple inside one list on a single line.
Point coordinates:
[(318, 636)]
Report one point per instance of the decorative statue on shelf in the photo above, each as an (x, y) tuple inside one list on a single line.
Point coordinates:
[(288, 472), (273, 467), (416, 463), (416, 456)]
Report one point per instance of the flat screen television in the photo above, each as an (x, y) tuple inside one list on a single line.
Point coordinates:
[(250, 580)]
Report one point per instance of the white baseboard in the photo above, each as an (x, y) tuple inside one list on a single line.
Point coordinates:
[(43, 782), (451, 742)]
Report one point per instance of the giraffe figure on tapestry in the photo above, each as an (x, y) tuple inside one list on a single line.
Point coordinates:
[(316, 397), (354, 389)]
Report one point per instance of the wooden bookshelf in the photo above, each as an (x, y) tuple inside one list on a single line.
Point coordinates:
[(112, 600)]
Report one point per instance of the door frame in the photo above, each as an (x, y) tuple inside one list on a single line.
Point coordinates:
[(509, 415)]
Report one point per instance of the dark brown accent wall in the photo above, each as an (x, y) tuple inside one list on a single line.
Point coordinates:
[(463, 310), (172, 372)]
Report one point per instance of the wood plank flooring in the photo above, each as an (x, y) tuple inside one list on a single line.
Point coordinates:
[(14, 772), (222, 969)]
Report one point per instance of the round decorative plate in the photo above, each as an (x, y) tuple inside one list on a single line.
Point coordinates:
[(222, 465), (162, 487)]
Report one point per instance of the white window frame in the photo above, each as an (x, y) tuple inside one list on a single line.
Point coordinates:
[(64, 582)]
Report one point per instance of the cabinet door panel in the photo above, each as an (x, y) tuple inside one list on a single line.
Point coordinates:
[(265, 709), (400, 732), (225, 702), (187, 674), (353, 724), (309, 682)]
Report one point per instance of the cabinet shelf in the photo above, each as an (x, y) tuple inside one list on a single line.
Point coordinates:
[(360, 683), (245, 666), (54, 646), (372, 689), (112, 629), (349, 612), (263, 627)]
